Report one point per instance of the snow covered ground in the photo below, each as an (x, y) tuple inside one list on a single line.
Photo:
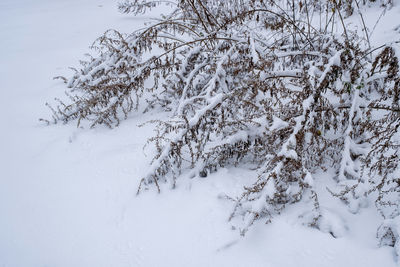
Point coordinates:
[(67, 195)]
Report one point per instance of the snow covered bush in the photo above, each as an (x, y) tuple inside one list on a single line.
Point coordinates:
[(281, 86)]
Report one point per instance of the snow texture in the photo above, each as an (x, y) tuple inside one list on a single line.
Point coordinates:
[(67, 195)]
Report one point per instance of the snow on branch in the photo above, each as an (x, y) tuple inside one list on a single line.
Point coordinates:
[(255, 83)]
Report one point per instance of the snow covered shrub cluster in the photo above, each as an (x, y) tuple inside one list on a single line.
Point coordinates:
[(269, 84)]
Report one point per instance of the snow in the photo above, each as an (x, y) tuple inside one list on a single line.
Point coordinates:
[(309, 179), (67, 195), (278, 124)]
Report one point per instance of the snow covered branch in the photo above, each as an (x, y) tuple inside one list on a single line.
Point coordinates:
[(253, 82)]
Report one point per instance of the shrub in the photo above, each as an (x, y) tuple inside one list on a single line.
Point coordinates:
[(265, 83)]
